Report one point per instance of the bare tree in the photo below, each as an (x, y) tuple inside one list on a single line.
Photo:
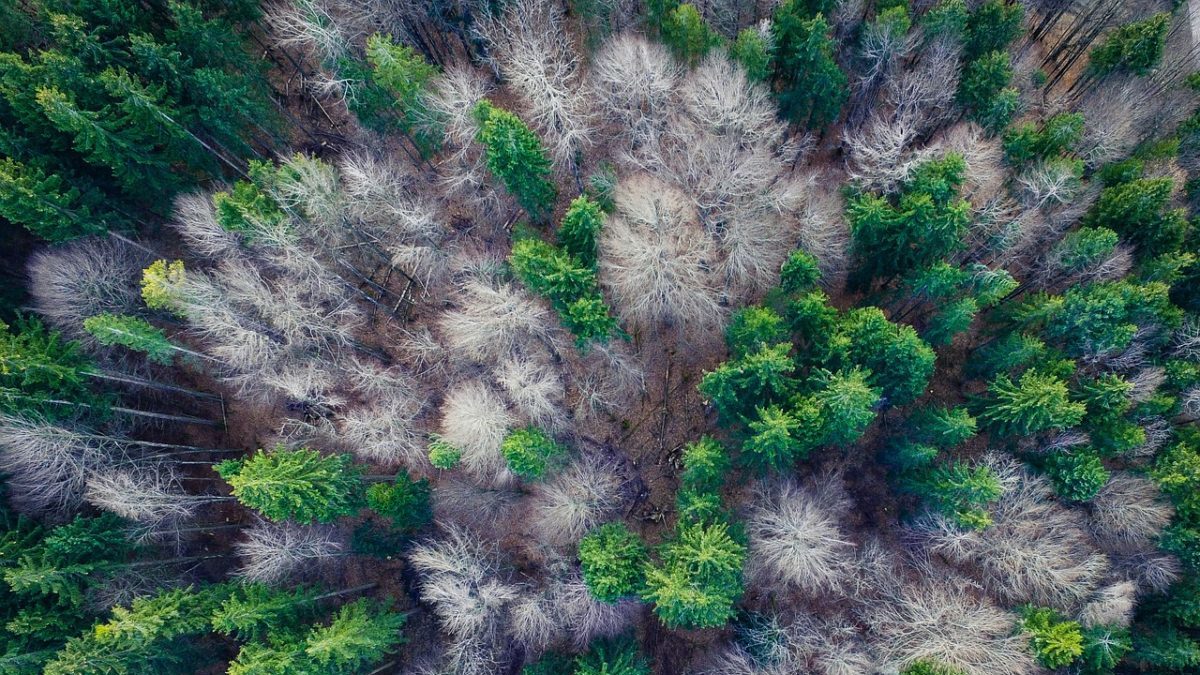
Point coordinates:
[(795, 537), (1112, 605), (491, 319), (83, 278), (384, 431), (483, 509), (531, 49), (655, 260), (575, 500), (532, 384), (452, 97), (1129, 513), (1035, 550), (475, 420), (273, 552), (150, 496), (46, 465), (634, 80), (325, 28)]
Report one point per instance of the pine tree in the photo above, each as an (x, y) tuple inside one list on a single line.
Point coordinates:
[(1037, 402), (699, 579), (162, 285), (752, 329), (406, 75), (52, 205), (530, 453), (812, 89), (991, 26), (619, 657), (442, 454), (580, 229), (516, 157), (928, 667), (38, 367), (253, 610), (301, 485), (705, 463), (612, 559), (847, 402), (1136, 211), (778, 437), (750, 49), (984, 91), (800, 273), (899, 362), (688, 36), (405, 502), (1136, 47), (1077, 476)]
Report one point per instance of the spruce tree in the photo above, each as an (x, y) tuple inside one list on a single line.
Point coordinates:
[(699, 578), (1135, 47), (811, 87), (1035, 403), (515, 156), (301, 485), (612, 560)]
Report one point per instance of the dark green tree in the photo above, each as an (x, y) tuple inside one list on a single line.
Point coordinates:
[(1037, 402), (1077, 476), (737, 387), (960, 491), (516, 157), (811, 87), (984, 91), (847, 404), (699, 577), (1135, 47), (990, 27), (579, 230), (1137, 211), (753, 328), (404, 501)]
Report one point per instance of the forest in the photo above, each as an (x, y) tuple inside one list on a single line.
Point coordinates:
[(599, 337)]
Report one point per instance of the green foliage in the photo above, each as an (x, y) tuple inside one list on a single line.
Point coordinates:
[(687, 35), (38, 366), (405, 75), (923, 225), (579, 230), (699, 578), (1084, 248), (514, 155), (956, 317), (1136, 210), (570, 286), (777, 437), (983, 90), (249, 209), (1057, 136), (530, 453), (1135, 47), (162, 285), (405, 502), (800, 272), (1103, 648), (961, 492), (361, 633), (900, 362), (946, 19), (612, 559), (990, 27), (612, 658), (132, 332), (811, 88), (1037, 402), (301, 485), (705, 463), (846, 404), (1077, 476), (943, 427), (1057, 643), (753, 328), (929, 667), (443, 455), (1104, 317), (1166, 649), (750, 49), (104, 116), (739, 386), (253, 610)]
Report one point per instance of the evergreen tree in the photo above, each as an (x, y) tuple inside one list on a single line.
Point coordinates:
[(405, 502), (961, 492), (1135, 47), (799, 273), (1037, 402), (1056, 642), (443, 455), (570, 287), (750, 49), (777, 437), (943, 427), (699, 579), (361, 633), (899, 362), (705, 463), (1077, 476), (619, 657), (1103, 648), (991, 26), (688, 36), (253, 610), (530, 453), (516, 157), (132, 332), (812, 88), (1136, 211), (847, 402), (301, 485), (405, 75), (752, 329), (612, 559), (162, 285), (737, 387), (39, 367), (929, 667), (984, 91), (579, 230)]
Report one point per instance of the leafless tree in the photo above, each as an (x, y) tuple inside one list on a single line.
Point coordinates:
[(535, 388), (1035, 550), (531, 49), (483, 509), (655, 259), (326, 28), (606, 378), (83, 278), (460, 578), (1129, 513), (634, 80), (150, 496), (1152, 572), (195, 219), (1048, 184), (795, 537), (384, 431), (491, 319), (575, 500), (1112, 605), (452, 97), (46, 465), (273, 552), (475, 420)]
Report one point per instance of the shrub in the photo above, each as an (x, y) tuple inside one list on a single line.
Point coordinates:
[(530, 452), (612, 559)]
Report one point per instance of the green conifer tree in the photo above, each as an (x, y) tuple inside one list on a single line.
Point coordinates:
[(301, 485)]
